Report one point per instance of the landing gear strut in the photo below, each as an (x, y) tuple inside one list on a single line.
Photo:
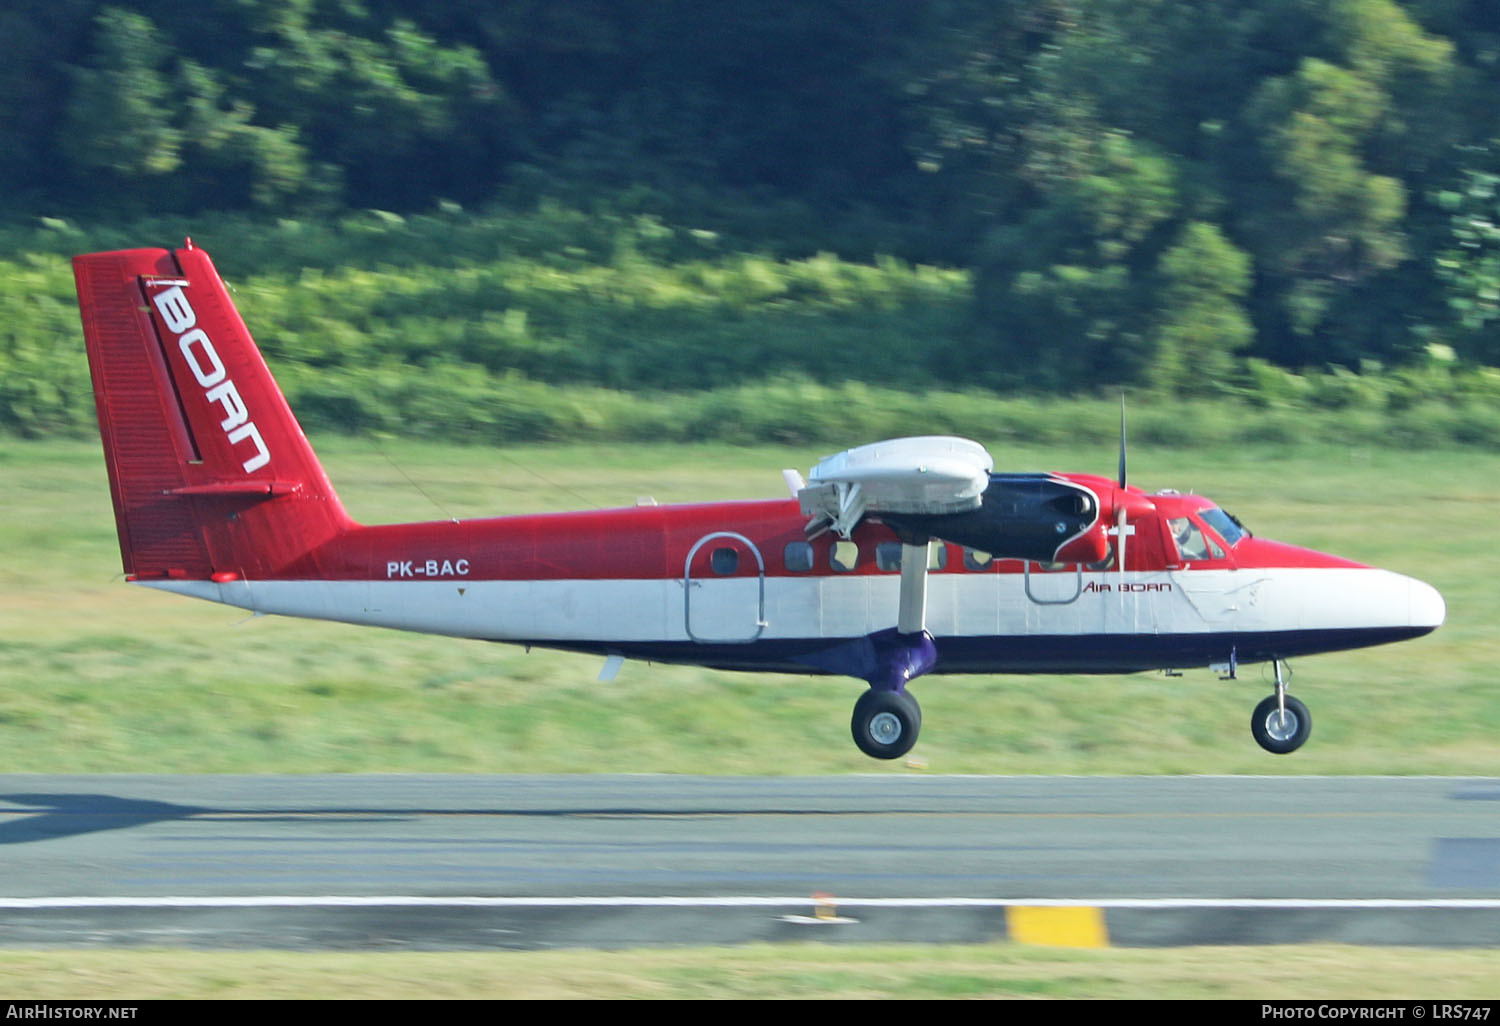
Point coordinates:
[(1280, 723)]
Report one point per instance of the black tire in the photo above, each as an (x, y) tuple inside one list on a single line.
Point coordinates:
[(886, 723), (1277, 737)]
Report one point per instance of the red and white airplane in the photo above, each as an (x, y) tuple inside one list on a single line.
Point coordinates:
[(890, 561)]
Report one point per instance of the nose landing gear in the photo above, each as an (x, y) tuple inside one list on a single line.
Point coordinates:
[(1280, 723)]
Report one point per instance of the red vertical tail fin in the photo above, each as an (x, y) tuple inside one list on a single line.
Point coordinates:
[(210, 473)]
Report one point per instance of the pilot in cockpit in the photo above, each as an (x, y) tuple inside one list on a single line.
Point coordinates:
[(1190, 541)]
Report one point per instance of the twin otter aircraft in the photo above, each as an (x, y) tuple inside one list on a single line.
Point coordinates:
[(889, 561)]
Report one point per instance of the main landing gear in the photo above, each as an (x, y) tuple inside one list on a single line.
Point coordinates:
[(1280, 723), (886, 718)]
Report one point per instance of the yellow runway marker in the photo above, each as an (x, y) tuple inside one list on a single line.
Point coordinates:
[(1071, 926)]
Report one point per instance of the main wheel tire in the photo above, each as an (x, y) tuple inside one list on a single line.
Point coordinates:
[(886, 723), (1275, 734)]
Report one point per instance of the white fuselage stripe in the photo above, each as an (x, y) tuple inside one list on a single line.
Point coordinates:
[(959, 605)]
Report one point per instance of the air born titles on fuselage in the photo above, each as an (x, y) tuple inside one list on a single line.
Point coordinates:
[(1127, 586)]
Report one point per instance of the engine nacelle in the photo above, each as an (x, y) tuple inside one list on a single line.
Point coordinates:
[(1040, 517), (932, 475)]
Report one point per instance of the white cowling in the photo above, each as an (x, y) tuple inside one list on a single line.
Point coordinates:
[(931, 474)]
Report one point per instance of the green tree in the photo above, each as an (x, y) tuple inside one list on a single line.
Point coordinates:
[(1469, 267), (38, 39), (121, 117), (165, 127), (1327, 220), (264, 101), (1061, 296), (1329, 156), (1200, 325)]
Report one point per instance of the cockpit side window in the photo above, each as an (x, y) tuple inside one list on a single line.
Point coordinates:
[(1213, 547), (1192, 543)]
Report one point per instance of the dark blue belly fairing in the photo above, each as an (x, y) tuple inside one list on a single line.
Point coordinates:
[(1085, 653)]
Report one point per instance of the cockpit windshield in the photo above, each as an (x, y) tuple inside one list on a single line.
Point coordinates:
[(1230, 529)]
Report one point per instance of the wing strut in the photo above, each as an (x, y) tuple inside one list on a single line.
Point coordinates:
[(911, 617)]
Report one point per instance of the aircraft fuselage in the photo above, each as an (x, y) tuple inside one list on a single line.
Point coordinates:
[(758, 594)]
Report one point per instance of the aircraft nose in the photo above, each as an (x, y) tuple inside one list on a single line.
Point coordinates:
[(1426, 605)]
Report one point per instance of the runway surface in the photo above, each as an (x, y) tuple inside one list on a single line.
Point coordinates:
[(528, 861)]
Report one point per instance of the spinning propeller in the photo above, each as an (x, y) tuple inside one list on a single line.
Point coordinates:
[(1122, 530)]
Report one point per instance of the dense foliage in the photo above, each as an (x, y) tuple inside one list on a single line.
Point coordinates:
[(1264, 198), (555, 325)]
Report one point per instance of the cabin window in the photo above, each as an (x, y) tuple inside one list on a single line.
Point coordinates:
[(888, 556), (724, 561), (798, 556), (843, 556), (975, 559)]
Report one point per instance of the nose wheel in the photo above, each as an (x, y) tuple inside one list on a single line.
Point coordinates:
[(885, 723), (1280, 723)]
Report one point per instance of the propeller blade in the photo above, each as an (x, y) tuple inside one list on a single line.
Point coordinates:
[(1122, 439)]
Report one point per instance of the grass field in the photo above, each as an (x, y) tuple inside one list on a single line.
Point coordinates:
[(98, 676), (1301, 973)]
